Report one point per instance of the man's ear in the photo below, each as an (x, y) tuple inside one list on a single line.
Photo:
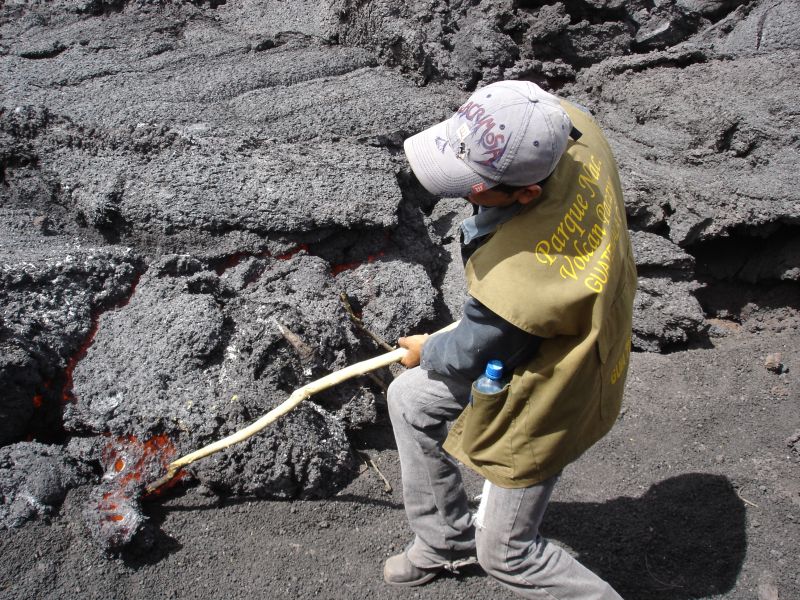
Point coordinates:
[(528, 194)]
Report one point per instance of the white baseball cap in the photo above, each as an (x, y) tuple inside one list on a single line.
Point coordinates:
[(510, 132)]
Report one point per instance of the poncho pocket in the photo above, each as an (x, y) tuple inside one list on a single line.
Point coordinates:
[(485, 435)]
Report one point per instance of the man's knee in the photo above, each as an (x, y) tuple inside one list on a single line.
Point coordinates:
[(424, 400), (400, 395)]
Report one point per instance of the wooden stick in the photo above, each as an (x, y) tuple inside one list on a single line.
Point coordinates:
[(387, 487), (360, 323), (295, 398), (745, 500)]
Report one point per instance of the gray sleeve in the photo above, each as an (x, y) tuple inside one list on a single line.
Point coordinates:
[(481, 336)]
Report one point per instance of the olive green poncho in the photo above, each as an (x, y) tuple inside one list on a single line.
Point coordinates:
[(563, 270)]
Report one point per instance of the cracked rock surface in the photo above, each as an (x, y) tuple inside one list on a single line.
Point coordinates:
[(187, 188)]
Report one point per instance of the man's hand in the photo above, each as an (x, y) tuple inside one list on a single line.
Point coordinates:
[(414, 344)]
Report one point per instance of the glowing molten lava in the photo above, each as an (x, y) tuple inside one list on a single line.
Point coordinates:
[(117, 518), (234, 259), (127, 461), (129, 464), (336, 269), (292, 252), (230, 261), (67, 394)]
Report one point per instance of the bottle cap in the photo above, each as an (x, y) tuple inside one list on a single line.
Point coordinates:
[(494, 369)]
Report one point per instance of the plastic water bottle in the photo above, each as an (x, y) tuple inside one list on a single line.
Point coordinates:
[(491, 380)]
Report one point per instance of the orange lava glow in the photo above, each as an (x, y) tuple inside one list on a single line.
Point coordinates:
[(130, 464), (292, 252), (116, 508), (67, 393), (230, 262), (340, 268), (130, 460), (234, 259), (38, 399), (170, 484)]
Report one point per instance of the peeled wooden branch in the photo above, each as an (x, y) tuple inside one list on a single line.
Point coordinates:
[(387, 487), (296, 398), (360, 323)]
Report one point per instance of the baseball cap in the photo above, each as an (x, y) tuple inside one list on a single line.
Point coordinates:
[(510, 132)]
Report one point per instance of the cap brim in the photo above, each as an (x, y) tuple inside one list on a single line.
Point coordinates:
[(437, 167)]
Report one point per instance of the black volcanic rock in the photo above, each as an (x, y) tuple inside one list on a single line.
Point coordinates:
[(381, 290), (247, 158), (197, 363), (50, 294), (702, 158), (34, 478), (668, 315)]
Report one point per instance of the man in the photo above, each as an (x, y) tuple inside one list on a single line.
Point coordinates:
[(551, 289)]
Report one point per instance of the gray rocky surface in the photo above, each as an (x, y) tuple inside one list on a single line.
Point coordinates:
[(190, 357), (703, 433), (50, 296), (35, 479), (674, 315), (370, 284), (245, 159), (656, 253)]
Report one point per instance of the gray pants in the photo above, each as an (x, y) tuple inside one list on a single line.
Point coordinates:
[(505, 531)]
